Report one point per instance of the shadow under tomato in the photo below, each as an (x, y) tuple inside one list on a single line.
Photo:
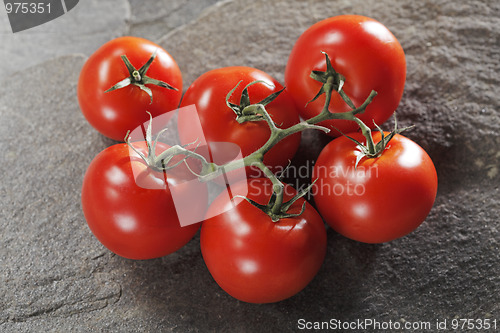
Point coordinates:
[(342, 282)]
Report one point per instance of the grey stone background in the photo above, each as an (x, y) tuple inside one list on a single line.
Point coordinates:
[(56, 277)]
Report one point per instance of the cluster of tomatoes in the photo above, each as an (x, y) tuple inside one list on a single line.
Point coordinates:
[(128, 203)]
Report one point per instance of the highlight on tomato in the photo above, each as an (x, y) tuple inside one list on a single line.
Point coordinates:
[(255, 259), (364, 52), (123, 79)]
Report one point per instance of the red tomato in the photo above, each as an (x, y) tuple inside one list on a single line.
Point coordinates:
[(383, 198), (129, 206), (114, 113), (218, 122), (365, 52), (254, 259)]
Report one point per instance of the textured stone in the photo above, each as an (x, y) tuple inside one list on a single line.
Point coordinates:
[(153, 19), (48, 262), (89, 25), (82, 30), (55, 276)]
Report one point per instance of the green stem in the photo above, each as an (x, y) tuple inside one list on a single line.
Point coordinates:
[(137, 76), (367, 133), (277, 187), (278, 134), (178, 150), (332, 81), (328, 87)]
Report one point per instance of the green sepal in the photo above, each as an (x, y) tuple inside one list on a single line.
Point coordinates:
[(271, 97), (245, 111), (334, 79), (253, 203), (380, 146), (144, 68), (283, 212), (157, 162), (286, 206), (138, 78)]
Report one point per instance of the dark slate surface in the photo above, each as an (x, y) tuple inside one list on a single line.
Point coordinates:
[(56, 277)]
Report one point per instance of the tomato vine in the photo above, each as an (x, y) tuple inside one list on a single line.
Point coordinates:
[(276, 208)]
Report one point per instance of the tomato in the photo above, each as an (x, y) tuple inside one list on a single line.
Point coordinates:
[(361, 49), (130, 207), (383, 198), (114, 113), (218, 122), (254, 259)]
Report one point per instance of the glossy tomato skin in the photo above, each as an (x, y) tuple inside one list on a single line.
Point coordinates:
[(365, 52), (116, 112), (254, 259), (384, 198), (218, 122), (129, 207)]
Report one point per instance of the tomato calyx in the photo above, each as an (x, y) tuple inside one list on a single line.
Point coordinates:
[(282, 212), (372, 149), (331, 80), (139, 78), (245, 111), (162, 161)]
